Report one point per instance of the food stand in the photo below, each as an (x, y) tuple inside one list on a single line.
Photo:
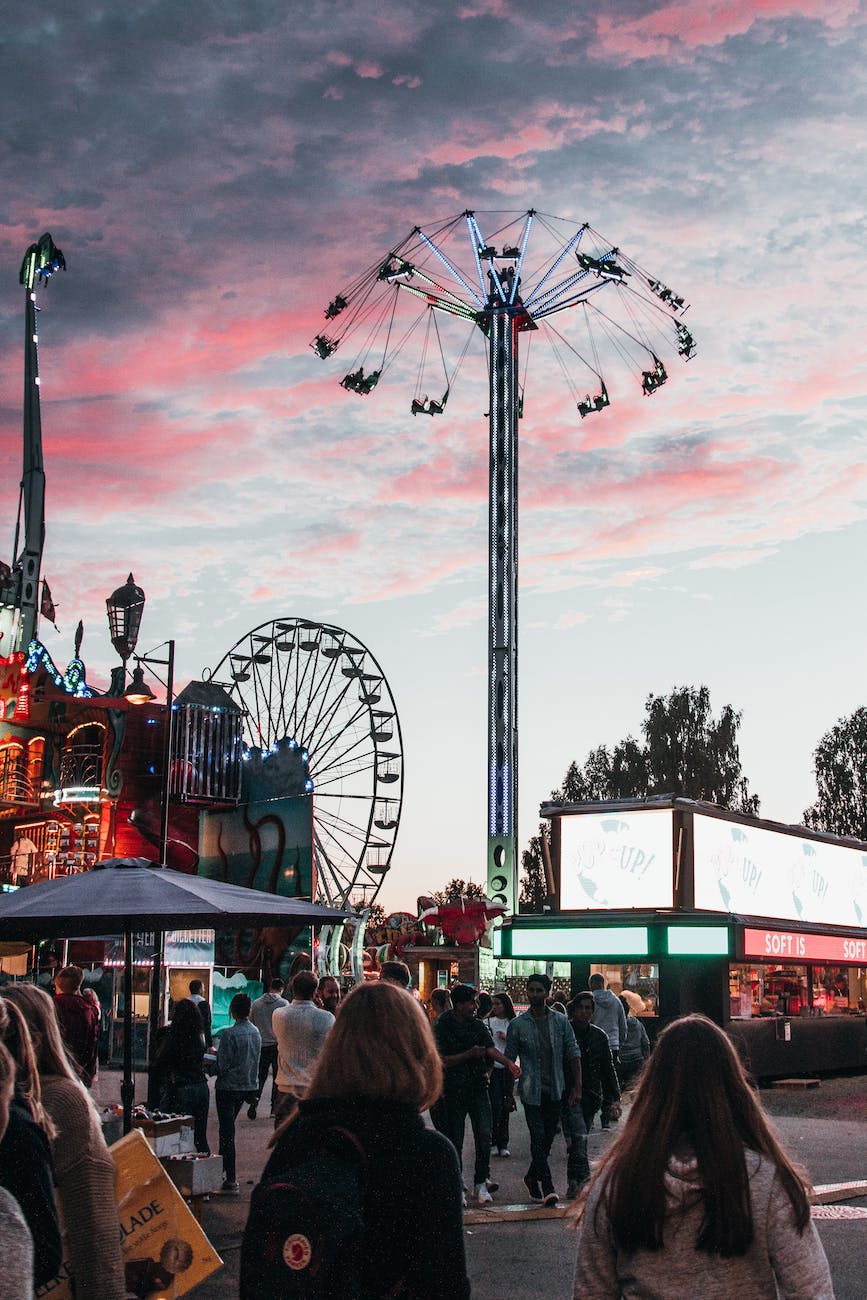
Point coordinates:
[(684, 906)]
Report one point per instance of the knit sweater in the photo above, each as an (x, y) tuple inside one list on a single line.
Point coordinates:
[(16, 1251), (781, 1262), (300, 1030), (84, 1173)]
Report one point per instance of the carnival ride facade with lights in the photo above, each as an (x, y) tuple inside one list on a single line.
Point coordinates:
[(83, 773), (530, 270)]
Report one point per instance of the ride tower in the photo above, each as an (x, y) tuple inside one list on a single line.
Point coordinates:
[(503, 320), (495, 290), (19, 585)]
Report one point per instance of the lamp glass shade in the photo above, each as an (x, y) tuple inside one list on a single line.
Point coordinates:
[(125, 607), (138, 691)]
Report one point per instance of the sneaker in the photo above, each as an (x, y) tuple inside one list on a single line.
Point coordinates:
[(574, 1188), (550, 1199), (251, 1112), (464, 1198), (483, 1196), (533, 1188), (231, 1187), (491, 1185), (495, 1151), (504, 1151)]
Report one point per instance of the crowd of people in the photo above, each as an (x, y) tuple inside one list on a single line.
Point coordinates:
[(370, 1093)]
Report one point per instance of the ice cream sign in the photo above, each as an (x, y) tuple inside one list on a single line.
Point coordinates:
[(783, 944), (616, 860), (758, 872)]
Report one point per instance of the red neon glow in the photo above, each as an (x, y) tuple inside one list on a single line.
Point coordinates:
[(808, 947)]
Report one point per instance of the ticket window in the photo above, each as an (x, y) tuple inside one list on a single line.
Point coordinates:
[(839, 990), (639, 984), (768, 991)]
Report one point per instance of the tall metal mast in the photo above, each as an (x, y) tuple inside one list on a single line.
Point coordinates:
[(568, 277), (20, 591), (503, 320)]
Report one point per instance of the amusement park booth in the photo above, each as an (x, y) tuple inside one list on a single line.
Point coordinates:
[(683, 906)]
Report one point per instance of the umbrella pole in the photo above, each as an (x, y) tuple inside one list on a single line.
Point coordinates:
[(127, 1087)]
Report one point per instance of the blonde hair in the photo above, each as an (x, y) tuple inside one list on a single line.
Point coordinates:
[(381, 1046), (38, 1011), (16, 1037)]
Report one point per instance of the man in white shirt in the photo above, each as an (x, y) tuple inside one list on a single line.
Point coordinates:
[(261, 1016), (300, 1030)]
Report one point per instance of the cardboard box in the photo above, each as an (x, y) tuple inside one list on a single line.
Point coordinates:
[(168, 1137), (194, 1177)]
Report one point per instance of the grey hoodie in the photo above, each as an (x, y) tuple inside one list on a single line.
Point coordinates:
[(781, 1262), (610, 1016)]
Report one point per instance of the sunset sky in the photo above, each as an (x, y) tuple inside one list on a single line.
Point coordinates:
[(216, 173)]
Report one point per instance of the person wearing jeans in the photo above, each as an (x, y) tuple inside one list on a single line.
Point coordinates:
[(543, 1040), (599, 1088), (466, 1049), (237, 1081)]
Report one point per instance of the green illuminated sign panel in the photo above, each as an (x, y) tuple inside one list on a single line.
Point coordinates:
[(698, 941), (569, 941)]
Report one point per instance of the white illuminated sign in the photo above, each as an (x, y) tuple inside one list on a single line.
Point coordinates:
[(623, 940), (616, 860), (758, 872)]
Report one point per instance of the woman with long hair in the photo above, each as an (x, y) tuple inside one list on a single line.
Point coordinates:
[(179, 1070), (378, 1069), (16, 1243), (696, 1196), (26, 1170), (502, 1087), (84, 1171)]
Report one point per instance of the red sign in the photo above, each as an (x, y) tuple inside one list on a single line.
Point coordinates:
[(781, 944)]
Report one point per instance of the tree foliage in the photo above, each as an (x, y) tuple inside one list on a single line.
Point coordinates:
[(458, 888), (840, 763), (685, 751), (534, 887)]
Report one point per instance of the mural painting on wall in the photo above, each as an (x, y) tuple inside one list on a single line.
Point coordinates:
[(266, 843)]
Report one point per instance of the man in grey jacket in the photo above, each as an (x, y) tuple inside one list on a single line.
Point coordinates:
[(543, 1040), (261, 1016)]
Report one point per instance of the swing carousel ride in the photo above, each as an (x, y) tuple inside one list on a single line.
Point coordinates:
[(599, 310)]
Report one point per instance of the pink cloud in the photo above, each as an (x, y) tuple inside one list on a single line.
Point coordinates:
[(672, 30)]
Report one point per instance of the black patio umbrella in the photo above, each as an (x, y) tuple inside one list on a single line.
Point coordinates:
[(123, 895)]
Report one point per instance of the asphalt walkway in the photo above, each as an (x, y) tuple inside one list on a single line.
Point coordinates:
[(533, 1258)]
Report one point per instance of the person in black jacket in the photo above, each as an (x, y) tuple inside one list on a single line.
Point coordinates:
[(378, 1069), (179, 1072), (600, 1088)]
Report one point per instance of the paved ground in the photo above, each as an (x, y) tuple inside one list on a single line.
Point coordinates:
[(825, 1128)]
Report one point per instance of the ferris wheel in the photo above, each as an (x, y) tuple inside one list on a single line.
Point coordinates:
[(317, 686)]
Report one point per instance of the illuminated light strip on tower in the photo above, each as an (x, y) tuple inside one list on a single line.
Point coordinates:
[(450, 267)]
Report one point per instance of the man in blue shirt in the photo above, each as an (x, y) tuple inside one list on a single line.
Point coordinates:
[(237, 1080), (543, 1040)]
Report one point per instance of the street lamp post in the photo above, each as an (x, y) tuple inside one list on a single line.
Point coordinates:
[(138, 692)]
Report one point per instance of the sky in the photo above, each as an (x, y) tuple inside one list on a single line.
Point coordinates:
[(216, 174)]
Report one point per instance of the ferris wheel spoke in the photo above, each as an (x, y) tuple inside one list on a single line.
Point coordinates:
[(318, 685)]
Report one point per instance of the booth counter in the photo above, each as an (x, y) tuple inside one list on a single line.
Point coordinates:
[(685, 907)]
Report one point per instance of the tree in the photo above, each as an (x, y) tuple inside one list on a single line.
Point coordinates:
[(691, 754), (458, 888), (840, 762), (686, 752), (534, 886)]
